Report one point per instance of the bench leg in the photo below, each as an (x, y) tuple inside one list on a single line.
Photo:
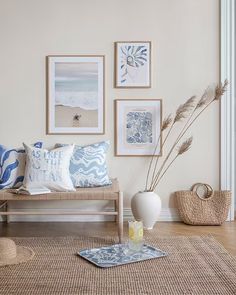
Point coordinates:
[(7, 216), (116, 208), (120, 217)]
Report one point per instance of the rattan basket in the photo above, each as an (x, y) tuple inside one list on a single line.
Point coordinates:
[(209, 210)]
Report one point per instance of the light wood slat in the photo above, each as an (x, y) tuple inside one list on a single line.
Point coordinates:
[(58, 213), (59, 197), (120, 216)]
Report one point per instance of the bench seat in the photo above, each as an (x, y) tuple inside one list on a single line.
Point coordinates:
[(111, 192), (94, 193)]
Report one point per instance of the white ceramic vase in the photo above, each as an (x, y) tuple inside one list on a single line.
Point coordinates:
[(146, 206)]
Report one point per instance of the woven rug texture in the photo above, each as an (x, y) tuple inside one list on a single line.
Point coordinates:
[(195, 265)]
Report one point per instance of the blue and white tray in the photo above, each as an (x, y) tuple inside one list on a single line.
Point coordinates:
[(119, 254)]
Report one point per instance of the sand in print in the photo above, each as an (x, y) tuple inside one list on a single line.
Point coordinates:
[(76, 94)]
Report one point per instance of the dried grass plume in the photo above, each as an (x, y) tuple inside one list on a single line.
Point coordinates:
[(184, 109), (220, 90), (185, 146), (166, 122), (207, 96)]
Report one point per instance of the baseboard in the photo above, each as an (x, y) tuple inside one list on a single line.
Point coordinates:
[(169, 214), (57, 218), (166, 215)]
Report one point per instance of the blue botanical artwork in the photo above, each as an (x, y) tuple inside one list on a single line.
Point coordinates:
[(133, 64), (133, 56), (139, 127)]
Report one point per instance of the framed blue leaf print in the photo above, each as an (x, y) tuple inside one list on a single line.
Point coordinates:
[(138, 127), (133, 64)]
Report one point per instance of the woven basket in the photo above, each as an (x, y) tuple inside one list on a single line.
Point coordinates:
[(209, 210)]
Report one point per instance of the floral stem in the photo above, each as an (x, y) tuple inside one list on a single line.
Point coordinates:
[(155, 167)]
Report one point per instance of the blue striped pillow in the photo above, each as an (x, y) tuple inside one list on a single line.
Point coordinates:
[(88, 166), (12, 166)]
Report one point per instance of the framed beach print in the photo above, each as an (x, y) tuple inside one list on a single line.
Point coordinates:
[(138, 127), (75, 94), (133, 64)]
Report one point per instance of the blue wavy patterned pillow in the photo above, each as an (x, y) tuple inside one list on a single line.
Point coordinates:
[(12, 166), (88, 166)]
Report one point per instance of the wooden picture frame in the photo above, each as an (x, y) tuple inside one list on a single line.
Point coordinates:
[(75, 94), (138, 127), (132, 64)]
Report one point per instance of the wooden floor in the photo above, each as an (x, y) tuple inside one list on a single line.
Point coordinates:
[(225, 234)]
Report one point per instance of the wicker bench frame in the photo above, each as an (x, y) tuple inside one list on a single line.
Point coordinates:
[(110, 193)]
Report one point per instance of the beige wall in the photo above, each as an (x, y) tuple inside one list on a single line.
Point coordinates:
[(185, 59)]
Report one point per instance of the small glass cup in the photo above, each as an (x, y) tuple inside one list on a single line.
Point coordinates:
[(135, 236)]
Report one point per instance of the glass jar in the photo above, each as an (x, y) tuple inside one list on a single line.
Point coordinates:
[(135, 236)]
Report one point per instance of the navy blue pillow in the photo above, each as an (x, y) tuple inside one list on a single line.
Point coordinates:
[(12, 166)]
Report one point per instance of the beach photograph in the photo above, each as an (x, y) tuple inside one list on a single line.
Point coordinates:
[(76, 94)]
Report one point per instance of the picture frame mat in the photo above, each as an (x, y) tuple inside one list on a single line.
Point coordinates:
[(50, 76)]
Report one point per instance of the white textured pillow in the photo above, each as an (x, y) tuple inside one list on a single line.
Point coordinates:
[(48, 168)]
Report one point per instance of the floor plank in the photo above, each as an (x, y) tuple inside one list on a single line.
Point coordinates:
[(225, 234)]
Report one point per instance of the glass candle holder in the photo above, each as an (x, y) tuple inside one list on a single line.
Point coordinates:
[(135, 236)]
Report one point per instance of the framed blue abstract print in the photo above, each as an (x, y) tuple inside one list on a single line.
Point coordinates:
[(133, 64), (138, 127), (75, 94)]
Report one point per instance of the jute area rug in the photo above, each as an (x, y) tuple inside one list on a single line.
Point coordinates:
[(195, 265)]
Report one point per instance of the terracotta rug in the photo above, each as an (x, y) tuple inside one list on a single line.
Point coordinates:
[(195, 265)]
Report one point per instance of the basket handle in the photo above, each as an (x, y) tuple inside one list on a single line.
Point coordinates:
[(207, 187)]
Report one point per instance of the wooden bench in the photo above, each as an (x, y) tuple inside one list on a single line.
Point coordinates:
[(111, 193)]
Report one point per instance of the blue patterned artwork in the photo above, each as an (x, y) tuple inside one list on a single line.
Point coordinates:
[(12, 166), (139, 128), (88, 166), (133, 64), (119, 254)]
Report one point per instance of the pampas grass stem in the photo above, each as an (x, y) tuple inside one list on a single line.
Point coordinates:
[(181, 113)]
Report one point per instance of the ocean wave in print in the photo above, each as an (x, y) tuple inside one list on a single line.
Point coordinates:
[(87, 100)]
